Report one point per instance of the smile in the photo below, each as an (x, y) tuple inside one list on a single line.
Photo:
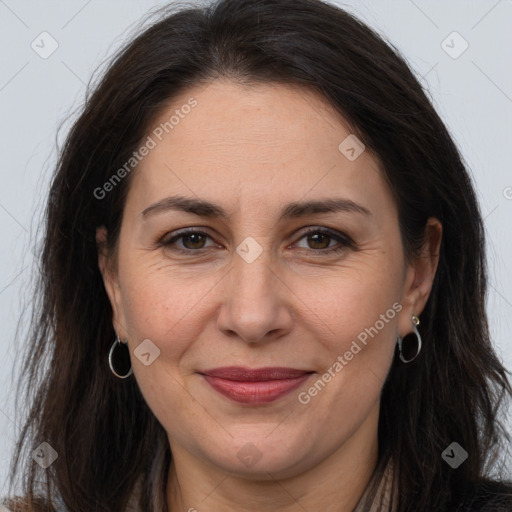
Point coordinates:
[(258, 386)]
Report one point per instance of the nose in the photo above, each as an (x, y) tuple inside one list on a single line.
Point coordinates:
[(256, 302)]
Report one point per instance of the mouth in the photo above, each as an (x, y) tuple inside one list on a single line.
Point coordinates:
[(255, 386)]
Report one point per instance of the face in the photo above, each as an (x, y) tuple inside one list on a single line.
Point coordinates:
[(260, 279)]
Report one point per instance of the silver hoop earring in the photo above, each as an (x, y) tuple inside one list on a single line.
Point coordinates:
[(119, 361), (415, 322)]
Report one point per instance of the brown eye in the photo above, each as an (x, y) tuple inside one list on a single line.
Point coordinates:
[(326, 242), (196, 240), (186, 241), (319, 240)]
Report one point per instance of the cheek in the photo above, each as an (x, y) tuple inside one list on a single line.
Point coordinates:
[(356, 321), (362, 329), (161, 304), (166, 312), (353, 298), (355, 358), (169, 304)]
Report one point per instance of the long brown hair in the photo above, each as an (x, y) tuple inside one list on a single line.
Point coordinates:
[(109, 443)]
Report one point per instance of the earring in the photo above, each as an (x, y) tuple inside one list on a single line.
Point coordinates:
[(415, 322), (122, 367)]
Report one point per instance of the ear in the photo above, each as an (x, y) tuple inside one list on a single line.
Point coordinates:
[(420, 275), (111, 282)]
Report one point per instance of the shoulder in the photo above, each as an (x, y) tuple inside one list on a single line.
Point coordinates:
[(488, 496), (24, 504)]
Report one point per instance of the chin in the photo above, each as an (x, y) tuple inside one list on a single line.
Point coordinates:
[(263, 456)]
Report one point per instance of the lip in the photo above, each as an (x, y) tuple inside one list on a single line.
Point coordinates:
[(255, 386)]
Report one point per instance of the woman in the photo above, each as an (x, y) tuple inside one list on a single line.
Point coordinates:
[(262, 283)]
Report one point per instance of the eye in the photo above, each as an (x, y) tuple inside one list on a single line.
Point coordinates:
[(190, 240), (319, 240)]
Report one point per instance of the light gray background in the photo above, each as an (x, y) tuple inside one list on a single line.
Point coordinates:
[(473, 94)]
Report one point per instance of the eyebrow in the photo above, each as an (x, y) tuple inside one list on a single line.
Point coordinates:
[(292, 210)]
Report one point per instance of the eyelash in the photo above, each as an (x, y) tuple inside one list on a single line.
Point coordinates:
[(345, 241)]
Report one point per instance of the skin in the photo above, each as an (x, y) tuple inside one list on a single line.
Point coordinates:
[(253, 149)]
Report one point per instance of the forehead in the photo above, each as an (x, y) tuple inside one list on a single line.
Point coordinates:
[(237, 116), (271, 141)]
